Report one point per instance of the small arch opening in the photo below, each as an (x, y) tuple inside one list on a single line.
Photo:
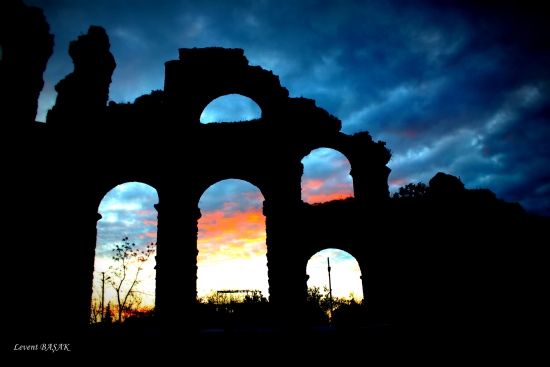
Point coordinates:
[(345, 273), (326, 176), (334, 296), (231, 108)]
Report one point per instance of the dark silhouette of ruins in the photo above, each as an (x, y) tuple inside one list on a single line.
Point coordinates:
[(26, 45), (451, 258)]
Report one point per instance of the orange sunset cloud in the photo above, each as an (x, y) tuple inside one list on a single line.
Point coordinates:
[(239, 235), (232, 246)]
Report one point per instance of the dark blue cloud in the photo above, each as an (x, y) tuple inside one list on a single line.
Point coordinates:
[(460, 87)]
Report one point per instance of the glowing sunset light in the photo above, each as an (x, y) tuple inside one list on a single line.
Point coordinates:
[(231, 239), (216, 223), (345, 273), (313, 199), (219, 275)]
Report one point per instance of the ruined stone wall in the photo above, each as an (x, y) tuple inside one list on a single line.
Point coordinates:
[(26, 45), (403, 250), (83, 94), (209, 153)]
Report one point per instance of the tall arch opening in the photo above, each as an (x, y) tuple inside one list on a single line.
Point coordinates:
[(231, 239), (231, 108), (232, 279), (326, 176), (127, 212)]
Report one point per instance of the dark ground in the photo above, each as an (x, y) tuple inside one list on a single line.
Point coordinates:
[(364, 346)]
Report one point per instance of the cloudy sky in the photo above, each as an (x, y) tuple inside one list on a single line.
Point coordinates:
[(461, 88)]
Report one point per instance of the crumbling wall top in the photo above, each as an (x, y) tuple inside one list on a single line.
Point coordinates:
[(87, 87), (221, 57), (91, 51), (204, 74)]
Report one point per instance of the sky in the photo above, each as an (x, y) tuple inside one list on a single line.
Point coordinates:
[(460, 87)]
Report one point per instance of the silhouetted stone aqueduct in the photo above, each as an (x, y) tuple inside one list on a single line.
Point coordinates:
[(445, 263), (85, 143)]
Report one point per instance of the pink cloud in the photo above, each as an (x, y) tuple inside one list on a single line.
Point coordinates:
[(313, 184), (398, 182), (147, 212), (327, 191), (322, 198)]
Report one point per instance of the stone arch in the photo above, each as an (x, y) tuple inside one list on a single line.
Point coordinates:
[(241, 101), (206, 183), (192, 82), (367, 159), (308, 187), (213, 219), (339, 142), (104, 187), (202, 75)]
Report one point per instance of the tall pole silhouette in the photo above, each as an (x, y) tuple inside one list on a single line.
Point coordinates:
[(103, 294), (329, 287)]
